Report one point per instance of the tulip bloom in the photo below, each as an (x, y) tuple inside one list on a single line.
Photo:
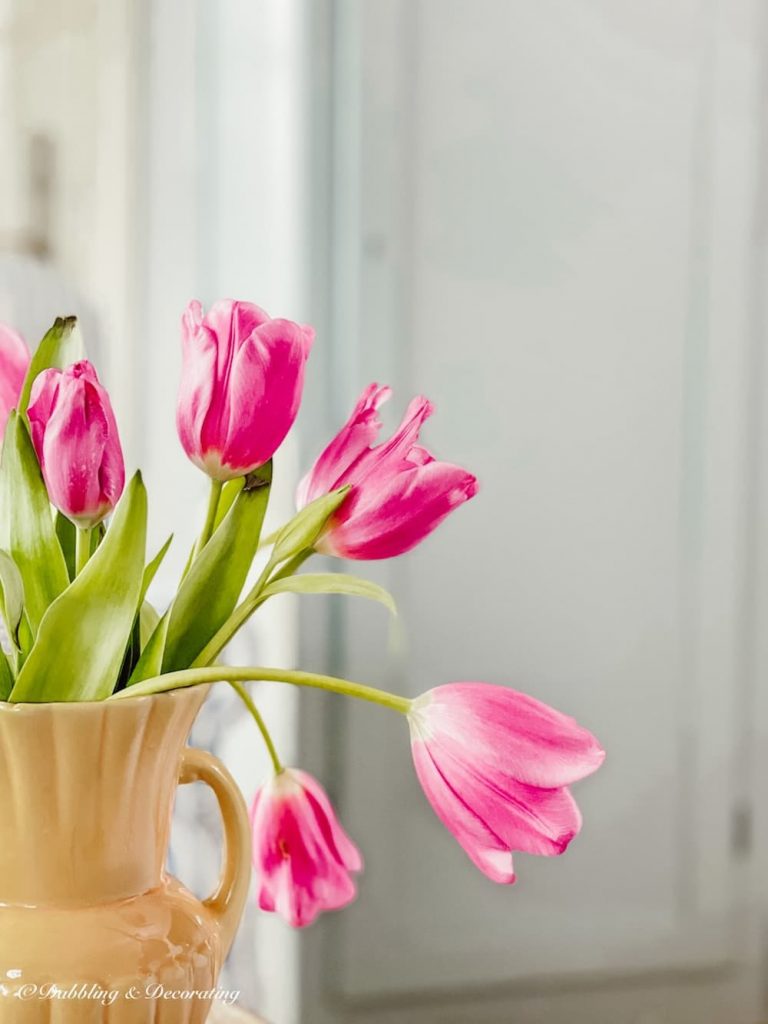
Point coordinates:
[(302, 855), (496, 766), (241, 384), (14, 363), (399, 492), (75, 436)]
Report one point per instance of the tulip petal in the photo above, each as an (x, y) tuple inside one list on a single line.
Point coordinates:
[(396, 512), (268, 375), (302, 856), (399, 493), (355, 437), (14, 360), (389, 456), (511, 733), (230, 325), (337, 839), (75, 435), (198, 374), (79, 427), (241, 385), (526, 818), (485, 848)]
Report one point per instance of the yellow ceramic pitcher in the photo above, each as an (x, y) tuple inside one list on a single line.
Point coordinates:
[(92, 930)]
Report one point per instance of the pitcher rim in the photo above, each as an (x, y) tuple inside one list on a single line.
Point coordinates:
[(16, 706)]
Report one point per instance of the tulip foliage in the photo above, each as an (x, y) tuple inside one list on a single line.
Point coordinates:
[(75, 574)]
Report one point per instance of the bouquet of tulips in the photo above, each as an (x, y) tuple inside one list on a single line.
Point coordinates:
[(495, 764)]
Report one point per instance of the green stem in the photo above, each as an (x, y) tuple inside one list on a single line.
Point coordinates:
[(245, 697), (82, 548), (245, 610), (254, 674), (210, 517), (292, 567)]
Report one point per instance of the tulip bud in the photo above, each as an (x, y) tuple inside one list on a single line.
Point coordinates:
[(301, 855), (496, 765), (14, 362), (75, 436), (241, 384), (399, 493)]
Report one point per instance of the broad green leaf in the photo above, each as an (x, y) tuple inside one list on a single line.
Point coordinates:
[(331, 583), (82, 638), (212, 587), (12, 597), (27, 530), (151, 570), (306, 526), (61, 346), (6, 676)]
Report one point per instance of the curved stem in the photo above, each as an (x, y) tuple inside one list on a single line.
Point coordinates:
[(245, 697), (256, 673)]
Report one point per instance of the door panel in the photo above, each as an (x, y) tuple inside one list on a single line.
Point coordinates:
[(553, 243)]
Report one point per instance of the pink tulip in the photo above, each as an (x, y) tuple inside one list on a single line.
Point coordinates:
[(241, 384), (302, 855), (496, 766), (399, 492), (75, 436), (14, 363)]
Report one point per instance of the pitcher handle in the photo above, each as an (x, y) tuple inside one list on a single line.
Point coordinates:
[(228, 901)]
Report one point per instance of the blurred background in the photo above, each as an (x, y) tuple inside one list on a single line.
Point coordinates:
[(551, 218)]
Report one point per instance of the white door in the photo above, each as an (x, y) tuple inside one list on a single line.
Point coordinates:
[(545, 225)]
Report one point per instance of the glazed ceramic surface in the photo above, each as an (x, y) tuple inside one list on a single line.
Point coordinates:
[(92, 929)]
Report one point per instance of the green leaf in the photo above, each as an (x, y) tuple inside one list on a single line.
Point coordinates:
[(83, 636), (6, 676), (306, 526), (229, 493), (12, 597), (27, 530), (26, 640), (67, 534), (213, 584), (331, 583), (61, 346), (151, 570), (150, 662), (134, 647), (148, 623)]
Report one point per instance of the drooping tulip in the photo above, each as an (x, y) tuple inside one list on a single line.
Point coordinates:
[(399, 492), (496, 765), (14, 363), (241, 385), (77, 443), (302, 856)]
